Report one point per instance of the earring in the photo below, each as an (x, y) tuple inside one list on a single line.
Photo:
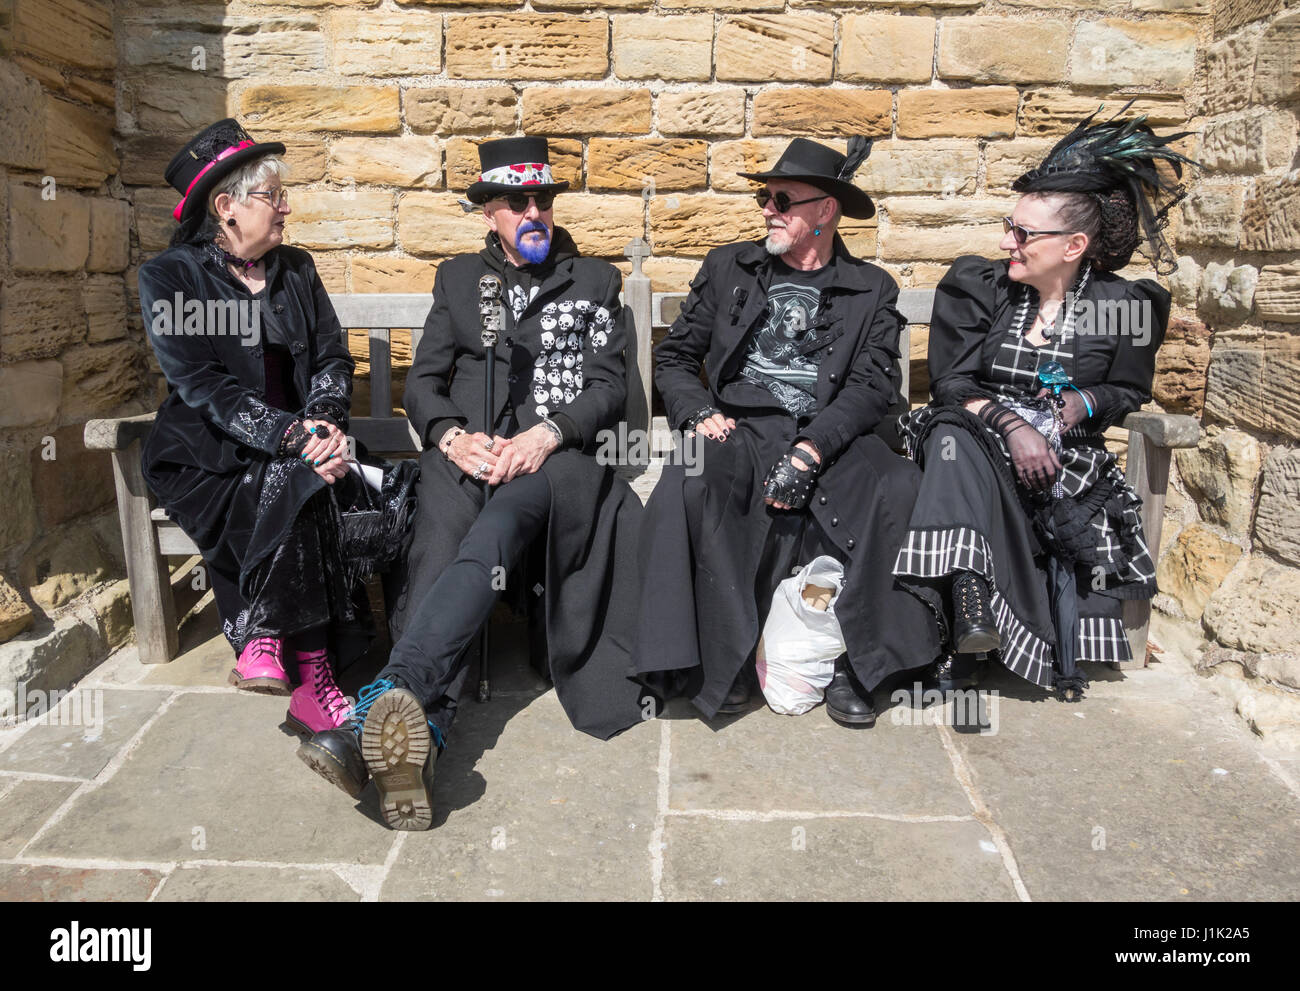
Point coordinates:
[(817, 232), (230, 222)]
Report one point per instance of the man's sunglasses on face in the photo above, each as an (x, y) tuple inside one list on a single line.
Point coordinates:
[(518, 202), (1023, 234), (782, 200)]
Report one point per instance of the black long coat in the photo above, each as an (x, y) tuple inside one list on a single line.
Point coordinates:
[(590, 571), (210, 456), (702, 544)]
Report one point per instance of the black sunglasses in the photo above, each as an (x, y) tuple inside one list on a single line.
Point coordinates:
[(782, 199), (518, 202), (1023, 234)]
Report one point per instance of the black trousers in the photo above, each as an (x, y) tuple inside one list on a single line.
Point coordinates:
[(431, 655)]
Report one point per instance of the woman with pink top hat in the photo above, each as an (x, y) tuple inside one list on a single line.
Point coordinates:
[(248, 453)]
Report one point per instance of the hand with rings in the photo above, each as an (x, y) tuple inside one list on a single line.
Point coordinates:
[(477, 454)]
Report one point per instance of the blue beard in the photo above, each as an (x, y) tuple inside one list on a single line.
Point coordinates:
[(530, 251)]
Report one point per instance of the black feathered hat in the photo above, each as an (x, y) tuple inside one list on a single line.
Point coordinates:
[(210, 156), (509, 165), (828, 170), (1117, 155)]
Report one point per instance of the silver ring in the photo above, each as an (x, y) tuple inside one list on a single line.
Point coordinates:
[(481, 470), (488, 445)]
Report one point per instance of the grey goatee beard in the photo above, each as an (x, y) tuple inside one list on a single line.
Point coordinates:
[(774, 247)]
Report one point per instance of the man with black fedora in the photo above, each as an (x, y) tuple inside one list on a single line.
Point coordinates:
[(559, 381), (798, 341)]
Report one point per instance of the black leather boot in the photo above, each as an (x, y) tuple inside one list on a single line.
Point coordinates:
[(953, 673), (398, 744), (974, 631), (737, 699), (846, 700)]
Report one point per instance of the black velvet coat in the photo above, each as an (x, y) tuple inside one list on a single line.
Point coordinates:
[(210, 456), (703, 545), (589, 594)]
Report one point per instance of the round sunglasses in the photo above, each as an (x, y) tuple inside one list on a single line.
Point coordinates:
[(782, 200), (1023, 234), (518, 202)]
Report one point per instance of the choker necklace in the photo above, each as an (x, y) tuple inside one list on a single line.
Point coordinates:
[(238, 262)]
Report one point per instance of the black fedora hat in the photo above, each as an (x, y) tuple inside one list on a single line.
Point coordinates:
[(212, 154), (828, 170), (509, 165)]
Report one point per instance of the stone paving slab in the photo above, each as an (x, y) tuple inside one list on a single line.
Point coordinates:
[(811, 763), (106, 720), (254, 884), (215, 778), (528, 808), (25, 807), (1127, 798), (832, 859), (24, 883)]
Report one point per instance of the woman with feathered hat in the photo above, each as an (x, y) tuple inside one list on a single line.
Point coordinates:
[(251, 436), (1025, 538)]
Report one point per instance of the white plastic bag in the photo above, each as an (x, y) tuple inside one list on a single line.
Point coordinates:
[(801, 638)]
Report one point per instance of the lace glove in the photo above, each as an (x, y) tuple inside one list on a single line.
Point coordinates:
[(790, 485), (294, 441), (1035, 462)]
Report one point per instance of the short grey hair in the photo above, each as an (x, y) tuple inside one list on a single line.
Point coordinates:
[(239, 183)]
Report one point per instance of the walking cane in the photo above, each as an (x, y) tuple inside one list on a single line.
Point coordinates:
[(492, 314)]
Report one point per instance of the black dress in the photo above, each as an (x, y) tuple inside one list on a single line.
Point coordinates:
[(240, 369), (1058, 565)]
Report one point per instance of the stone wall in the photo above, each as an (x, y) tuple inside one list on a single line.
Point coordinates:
[(1232, 561), (66, 353)]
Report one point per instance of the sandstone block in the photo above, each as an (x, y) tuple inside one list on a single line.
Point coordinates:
[(646, 164), (564, 110), (62, 565), (1175, 6), (1277, 525), (1053, 113), (1247, 145), (1228, 291), (723, 6), (1254, 608), (326, 218), (99, 378), (110, 235), (1229, 73), (1250, 385), (1114, 52), (776, 48), (112, 608), (1007, 161), (145, 157), (1277, 66), (1212, 215), (306, 159), (374, 43), (18, 521), (22, 127), (903, 243), (460, 109), (408, 161), (153, 217), (332, 267), (30, 392), (692, 225), (47, 235), (714, 112), (356, 109), (204, 40), (939, 166), (1193, 568), (1277, 296), (728, 158), (886, 48), (392, 273), (73, 32), (527, 46), (1181, 366), (434, 224), (653, 46), (603, 224), (15, 614), (103, 297), (164, 101), (1270, 220), (669, 274), (67, 479), (1220, 475), (583, 5), (967, 113), (79, 144), (829, 113), (39, 318), (1185, 282), (976, 48)]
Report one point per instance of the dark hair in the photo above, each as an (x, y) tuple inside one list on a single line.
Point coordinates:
[(1109, 219)]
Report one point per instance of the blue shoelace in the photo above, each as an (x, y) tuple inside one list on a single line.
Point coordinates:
[(366, 698)]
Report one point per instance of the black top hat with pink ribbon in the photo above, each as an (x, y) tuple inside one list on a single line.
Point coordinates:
[(212, 154), (513, 165)]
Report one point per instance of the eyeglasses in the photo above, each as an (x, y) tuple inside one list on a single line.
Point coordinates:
[(782, 200), (518, 202), (1023, 234), (276, 197)]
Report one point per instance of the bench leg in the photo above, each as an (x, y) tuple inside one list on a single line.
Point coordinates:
[(1148, 473), (152, 606)]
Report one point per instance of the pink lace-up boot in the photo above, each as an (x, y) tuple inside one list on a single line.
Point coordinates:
[(261, 667), (317, 704)]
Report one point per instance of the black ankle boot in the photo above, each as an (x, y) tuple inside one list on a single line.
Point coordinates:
[(953, 673), (846, 700), (737, 699), (974, 631)]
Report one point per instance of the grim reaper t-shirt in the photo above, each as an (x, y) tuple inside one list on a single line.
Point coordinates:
[(775, 358)]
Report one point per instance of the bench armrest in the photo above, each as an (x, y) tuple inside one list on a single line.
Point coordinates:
[(117, 435), (1165, 429)]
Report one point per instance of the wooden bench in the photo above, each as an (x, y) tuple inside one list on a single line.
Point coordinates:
[(149, 537)]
